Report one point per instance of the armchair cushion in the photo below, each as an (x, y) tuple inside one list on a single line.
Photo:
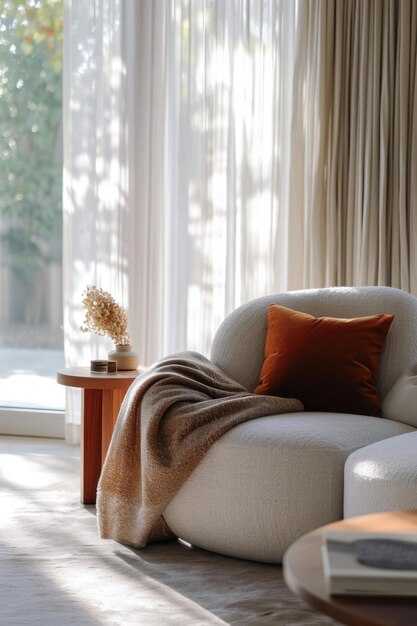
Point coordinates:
[(330, 364)]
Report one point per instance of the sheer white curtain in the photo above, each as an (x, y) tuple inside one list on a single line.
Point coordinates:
[(229, 71), (94, 175), (217, 150), (176, 165), (113, 173)]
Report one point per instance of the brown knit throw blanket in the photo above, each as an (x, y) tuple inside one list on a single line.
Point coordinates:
[(169, 418)]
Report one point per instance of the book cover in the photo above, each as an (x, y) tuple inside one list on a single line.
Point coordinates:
[(360, 563)]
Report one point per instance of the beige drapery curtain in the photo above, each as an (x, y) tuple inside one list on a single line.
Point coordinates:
[(356, 99)]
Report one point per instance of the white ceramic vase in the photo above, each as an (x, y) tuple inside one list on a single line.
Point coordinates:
[(125, 357)]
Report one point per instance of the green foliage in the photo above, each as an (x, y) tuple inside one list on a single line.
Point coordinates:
[(30, 132)]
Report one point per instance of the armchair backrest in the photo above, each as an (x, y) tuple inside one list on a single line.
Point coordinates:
[(238, 346)]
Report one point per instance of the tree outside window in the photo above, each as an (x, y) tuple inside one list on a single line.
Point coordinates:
[(31, 167)]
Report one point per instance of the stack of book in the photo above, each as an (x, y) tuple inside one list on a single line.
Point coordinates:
[(360, 563)]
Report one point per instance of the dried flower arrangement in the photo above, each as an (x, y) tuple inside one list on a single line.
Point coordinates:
[(104, 316)]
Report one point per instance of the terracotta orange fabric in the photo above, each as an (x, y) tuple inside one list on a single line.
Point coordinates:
[(330, 364)]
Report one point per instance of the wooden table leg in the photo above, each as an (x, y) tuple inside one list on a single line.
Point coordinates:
[(91, 444), (111, 401), (100, 411)]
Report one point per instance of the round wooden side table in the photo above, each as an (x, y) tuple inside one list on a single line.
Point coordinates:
[(102, 396), (303, 573)]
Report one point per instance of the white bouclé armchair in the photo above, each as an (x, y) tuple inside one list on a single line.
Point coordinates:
[(267, 481)]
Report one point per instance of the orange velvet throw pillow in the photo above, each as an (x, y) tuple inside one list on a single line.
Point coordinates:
[(330, 364)]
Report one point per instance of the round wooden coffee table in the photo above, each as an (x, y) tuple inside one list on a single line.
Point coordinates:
[(303, 573)]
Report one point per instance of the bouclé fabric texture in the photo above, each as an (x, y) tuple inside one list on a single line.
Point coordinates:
[(169, 418)]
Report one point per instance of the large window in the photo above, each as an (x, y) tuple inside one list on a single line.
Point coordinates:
[(31, 340)]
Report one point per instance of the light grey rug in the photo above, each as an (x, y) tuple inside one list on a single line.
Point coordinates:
[(55, 571)]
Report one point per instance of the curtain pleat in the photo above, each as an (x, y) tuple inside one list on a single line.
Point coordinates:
[(369, 234)]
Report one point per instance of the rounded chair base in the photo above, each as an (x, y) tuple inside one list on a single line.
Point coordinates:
[(382, 477), (268, 481)]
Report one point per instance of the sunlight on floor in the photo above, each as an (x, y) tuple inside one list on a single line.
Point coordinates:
[(31, 472), (55, 569)]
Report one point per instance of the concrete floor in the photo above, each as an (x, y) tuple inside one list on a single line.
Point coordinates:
[(55, 570)]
